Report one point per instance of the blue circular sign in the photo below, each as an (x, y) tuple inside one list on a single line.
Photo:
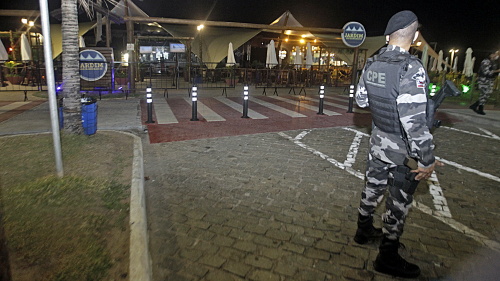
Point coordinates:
[(93, 65), (354, 34)]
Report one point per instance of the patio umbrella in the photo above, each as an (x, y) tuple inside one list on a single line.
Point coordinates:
[(230, 55), (468, 65), (81, 42), (3, 53), (440, 61), (309, 56), (434, 64), (25, 49), (271, 59), (446, 64), (455, 65), (425, 56), (298, 58)]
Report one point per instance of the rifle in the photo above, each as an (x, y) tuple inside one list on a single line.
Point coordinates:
[(448, 90)]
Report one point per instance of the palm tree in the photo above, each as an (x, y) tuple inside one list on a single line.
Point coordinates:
[(71, 65), (71, 68)]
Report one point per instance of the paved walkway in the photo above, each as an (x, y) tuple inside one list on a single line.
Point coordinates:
[(281, 205)]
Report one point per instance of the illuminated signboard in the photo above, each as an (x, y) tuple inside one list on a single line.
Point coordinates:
[(177, 48), (93, 65), (354, 34)]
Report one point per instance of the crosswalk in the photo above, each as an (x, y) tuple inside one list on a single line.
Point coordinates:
[(216, 109)]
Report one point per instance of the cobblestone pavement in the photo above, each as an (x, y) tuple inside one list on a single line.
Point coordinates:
[(282, 206)]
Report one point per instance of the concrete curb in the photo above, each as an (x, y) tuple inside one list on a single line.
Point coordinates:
[(139, 259)]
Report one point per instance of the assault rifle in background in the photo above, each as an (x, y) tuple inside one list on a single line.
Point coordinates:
[(448, 90)]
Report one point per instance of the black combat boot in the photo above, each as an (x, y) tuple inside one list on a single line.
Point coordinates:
[(480, 110), (366, 231), (390, 262), (474, 106)]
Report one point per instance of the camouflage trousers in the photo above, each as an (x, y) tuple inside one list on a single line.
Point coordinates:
[(397, 203), (485, 88)]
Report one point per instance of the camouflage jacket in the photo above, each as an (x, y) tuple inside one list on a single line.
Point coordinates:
[(485, 73), (411, 105)]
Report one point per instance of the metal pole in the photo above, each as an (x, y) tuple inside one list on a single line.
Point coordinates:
[(321, 98), (51, 86), (351, 98), (245, 102), (149, 101), (194, 99)]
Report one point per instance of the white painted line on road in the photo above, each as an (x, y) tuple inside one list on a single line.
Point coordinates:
[(307, 106), (356, 131), (206, 112), (163, 112), (470, 170), (439, 214), (324, 156), (353, 150), (12, 106), (489, 133), (239, 107), (301, 135), (470, 133), (440, 203), (460, 228), (280, 109)]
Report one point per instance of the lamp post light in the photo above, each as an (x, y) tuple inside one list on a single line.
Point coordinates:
[(200, 28), (452, 51)]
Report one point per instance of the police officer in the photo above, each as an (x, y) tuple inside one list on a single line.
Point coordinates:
[(393, 84), (486, 78)]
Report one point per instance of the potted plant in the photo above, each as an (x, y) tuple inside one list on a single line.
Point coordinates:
[(12, 76), (121, 77)]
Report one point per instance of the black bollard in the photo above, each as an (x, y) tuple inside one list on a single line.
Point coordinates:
[(149, 101), (351, 98), (194, 99), (321, 98), (245, 102)]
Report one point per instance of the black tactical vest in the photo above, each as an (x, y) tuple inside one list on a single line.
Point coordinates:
[(382, 77)]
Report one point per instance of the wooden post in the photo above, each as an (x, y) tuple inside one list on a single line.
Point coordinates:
[(130, 40)]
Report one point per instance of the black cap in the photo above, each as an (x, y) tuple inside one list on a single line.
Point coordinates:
[(400, 20)]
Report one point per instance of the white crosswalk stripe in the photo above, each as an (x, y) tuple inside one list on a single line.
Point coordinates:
[(206, 112), (164, 114), (280, 109), (354, 108), (239, 107), (307, 106), (12, 106)]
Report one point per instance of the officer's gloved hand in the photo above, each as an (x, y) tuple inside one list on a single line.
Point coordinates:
[(425, 173)]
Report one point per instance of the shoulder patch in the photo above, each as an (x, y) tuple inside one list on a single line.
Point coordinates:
[(419, 78)]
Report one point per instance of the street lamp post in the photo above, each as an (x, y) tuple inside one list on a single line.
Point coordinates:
[(452, 51), (200, 28)]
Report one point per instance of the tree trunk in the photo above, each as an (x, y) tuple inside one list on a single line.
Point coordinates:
[(71, 68)]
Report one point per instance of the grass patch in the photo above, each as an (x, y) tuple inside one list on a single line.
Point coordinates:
[(74, 228)]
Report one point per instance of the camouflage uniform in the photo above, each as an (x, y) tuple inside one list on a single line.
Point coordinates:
[(388, 150), (486, 79)]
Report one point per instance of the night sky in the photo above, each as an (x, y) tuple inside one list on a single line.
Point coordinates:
[(451, 24)]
